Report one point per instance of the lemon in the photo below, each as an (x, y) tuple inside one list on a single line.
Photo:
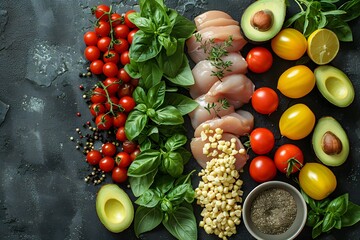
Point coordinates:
[(323, 46)]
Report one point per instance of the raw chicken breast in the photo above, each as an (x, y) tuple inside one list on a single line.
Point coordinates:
[(197, 145), (219, 34), (203, 73), (210, 15), (217, 22), (238, 123), (236, 88), (200, 114)]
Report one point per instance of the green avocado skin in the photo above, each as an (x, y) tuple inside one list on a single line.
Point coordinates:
[(330, 124)]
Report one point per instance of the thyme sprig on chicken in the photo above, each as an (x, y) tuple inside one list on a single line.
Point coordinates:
[(224, 104)]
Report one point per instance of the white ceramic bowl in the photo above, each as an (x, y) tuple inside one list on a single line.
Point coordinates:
[(297, 225)]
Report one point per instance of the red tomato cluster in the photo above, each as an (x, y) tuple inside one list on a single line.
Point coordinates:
[(109, 159), (107, 50)]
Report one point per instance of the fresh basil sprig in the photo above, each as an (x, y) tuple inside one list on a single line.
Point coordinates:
[(324, 13), (167, 202), (327, 214)]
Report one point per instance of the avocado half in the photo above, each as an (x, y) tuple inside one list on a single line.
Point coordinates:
[(263, 19), (330, 142), (334, 85)]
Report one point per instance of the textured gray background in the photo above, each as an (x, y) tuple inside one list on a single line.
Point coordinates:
[(42, 192)]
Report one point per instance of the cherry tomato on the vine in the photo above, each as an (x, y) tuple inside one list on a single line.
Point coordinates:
[(119, 120), (97, 108), (112, 85), (123, 75), (259, 60), (288, 158), (134, 154), (127, 20), (116, 19), (120, 134), (108, 149), (121, 45), (103, 28), (103, 44), (110, 69), (104, 121), (111, 56), (121, 31), (125, 58), (119, 175), (265, 100), (90, 38), (100, 11), (126, 89), (112, 104), (262, 169), (98, 95), (129, 146), (96, 67), (92, 53), (123, 159), (107, 164), (261, 140), (93, 157), (128, 103), (130, 36)]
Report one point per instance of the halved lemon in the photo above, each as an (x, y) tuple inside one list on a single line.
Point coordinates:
[(323, 46)]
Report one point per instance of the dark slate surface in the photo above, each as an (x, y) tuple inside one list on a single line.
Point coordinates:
[(42, 192)]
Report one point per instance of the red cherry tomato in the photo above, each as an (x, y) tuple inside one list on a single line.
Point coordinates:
[(100, 11), (120, 134), (123, 75), (119, 175), (121, 45), (112, 85), (93, 157), (262, 140), (112, 103), (262, 169), (97, 108), (127, 21), (134, 154), (265, 100), (288, 158), (119, 120), (129, 146), (123, 159), (90, 38), (108, 149), (103, 28), (116, 19), (98, 95), (107, 164), (110, 69), (126, 89), (121, 31), (128, 103), (125, 58), (92, 53), (103, 44), (130, 36), (259, 60), (111, 56), (96, 67), (104, 121)]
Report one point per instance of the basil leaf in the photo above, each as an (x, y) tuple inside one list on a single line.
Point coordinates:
[(144, 47), (327, 6), (317, 230), (352, 9), (185, 154), (183, 103), (329, 1), (139, 96), (141, 107), (292, 19), (184, 179), (164, 183), (181, 193), (169, 43), (146, 162), (145, 144), (338, 224), (149, 199), (135, 123), (146, 219), (182, 27), (340, 28), (339, 205), (352, 215), (329, 222), (171, 64), (184, 77), (151, 74), (312, 218), (144, 24), (334, 12), (182, 224), (175, 142), (132, 69), (168, 115), (305, 196), (156, 95), (141, 184), (168, 131), (166, 205), (173, 164)]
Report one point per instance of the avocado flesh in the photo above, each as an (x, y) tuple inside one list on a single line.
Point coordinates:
[(324, 125), (334, 85), (114, 208), (278, 9)]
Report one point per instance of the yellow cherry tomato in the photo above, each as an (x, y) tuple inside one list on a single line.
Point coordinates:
[(296, 82), (297, 122), (317, 181), (289, 44)]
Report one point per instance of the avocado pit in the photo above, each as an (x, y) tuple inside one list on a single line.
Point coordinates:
[(262, 20), (331, 144)]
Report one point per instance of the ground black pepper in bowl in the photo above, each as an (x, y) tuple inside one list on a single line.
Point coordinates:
[(273, 211)]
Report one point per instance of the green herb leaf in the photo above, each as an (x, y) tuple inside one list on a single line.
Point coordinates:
[(180, 193), (329, 1), (352, 215), (183, 103), (182, 224), (312, 218), (145, 163), (328, 222), (317, 230), (144, 24), (144, 47), (156, 95), (149, 199), (292, 19), (135, 123), (151, 74), (141, 184), (164, 183), (339, 205), (184, 76), (338, 224), (132, 69), (340, 28), (185, 154), (168, 115), (352, 9), (175, 142), (139, 96), (173, 164), (171, 64), (334, 12), (146, 219), (182, 27), (169, 43)]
